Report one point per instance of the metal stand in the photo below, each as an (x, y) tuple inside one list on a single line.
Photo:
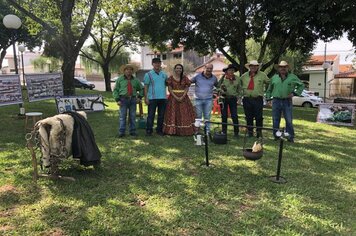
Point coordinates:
[(206, 147), (278, 178)]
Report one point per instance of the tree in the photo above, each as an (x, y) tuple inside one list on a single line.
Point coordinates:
[(111, 32), (22, 35), (169, 66), (277, 26), (62, 20), (121, 58)]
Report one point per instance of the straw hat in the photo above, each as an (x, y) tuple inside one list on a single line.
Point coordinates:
[(252, 63), (124, 67), (283, 63)]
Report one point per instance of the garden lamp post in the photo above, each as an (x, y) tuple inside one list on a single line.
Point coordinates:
[(326, 65), (13, 23), (22, 48)]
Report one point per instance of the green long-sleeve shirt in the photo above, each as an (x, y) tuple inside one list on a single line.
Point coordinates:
[(279, 88), (260, 81), (232, 86), (121, 88)]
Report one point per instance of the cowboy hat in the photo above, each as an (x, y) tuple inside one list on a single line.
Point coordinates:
[(231, 66), (252, 63), (283, 63), (124, 67)]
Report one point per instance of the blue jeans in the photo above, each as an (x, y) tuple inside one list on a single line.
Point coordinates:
[(130, 105), (284, 106), (232, 104), (203, 108), (160, 105)]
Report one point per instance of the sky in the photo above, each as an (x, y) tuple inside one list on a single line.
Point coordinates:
[(343, 47)]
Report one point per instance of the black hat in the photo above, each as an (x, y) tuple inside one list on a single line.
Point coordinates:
[(156, 59), (231, 66)]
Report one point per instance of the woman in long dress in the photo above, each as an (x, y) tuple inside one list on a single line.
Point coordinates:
[(179, 116)]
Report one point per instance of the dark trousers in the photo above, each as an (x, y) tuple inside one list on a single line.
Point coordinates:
[(160, 105), (253, 108), (232, 104)]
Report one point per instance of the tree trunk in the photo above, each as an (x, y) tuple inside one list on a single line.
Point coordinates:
[(2, 56), (68, 69), (107, 76)]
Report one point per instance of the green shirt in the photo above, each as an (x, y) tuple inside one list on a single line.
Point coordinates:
[(232, 86), (121, 87), (279, 88), (260, 81)]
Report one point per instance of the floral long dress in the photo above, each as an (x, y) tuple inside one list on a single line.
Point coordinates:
[(179, 116)]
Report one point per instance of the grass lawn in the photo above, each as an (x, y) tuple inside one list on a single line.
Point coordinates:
[(156, 185)]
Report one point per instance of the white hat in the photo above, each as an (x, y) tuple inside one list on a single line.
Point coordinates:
[(283, 63), (252, 63)]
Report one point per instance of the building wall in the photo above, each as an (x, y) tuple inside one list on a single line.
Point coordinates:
[(316, 82)]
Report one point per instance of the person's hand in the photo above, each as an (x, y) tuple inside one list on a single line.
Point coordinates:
[(269, 103), (138, 100), (147, 101), (118, 103), (291, 95)]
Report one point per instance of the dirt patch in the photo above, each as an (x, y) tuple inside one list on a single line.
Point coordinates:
[(7, 188), (7, 212), (54, 232), (5, 228)]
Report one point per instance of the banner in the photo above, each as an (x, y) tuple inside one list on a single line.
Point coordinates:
[(336, 114), (80, 103), (10, 90), (44, 86)]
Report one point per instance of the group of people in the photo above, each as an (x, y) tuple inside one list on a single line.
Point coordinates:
[(177, 115)]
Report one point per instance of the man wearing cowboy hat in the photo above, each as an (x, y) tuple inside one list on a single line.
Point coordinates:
[(229, 87), (282, 88), (127, 91), (253, 84)]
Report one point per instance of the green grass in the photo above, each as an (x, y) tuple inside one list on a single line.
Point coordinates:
[(157, 186)]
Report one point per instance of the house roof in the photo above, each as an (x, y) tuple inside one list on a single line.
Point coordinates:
[(319, 59), (346, 75), (345, 68)]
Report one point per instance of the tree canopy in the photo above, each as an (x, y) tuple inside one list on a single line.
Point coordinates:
[(22, 35), (277, 26), (67, 23), (112, 31)]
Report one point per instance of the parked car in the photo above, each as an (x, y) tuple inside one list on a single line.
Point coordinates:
[(307, 99), (82, 83), (113, 80)]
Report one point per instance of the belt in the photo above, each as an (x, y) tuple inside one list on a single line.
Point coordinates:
[(281, 98), (258, 97), (178, 91), (127, 96)]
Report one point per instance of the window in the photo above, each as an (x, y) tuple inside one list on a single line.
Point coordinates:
[(178, 55)]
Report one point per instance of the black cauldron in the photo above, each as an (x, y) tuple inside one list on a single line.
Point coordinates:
[(218, 137), (253, 156)]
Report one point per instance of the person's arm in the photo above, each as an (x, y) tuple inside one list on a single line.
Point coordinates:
[(299, 86), (146, 82), (146, 96), (170, 89), (116, 92), (269, 91)]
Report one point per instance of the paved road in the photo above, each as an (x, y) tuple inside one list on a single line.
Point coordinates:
[(100, 85)]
